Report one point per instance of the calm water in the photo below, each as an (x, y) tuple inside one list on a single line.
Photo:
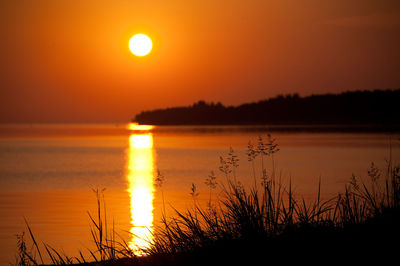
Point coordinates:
[(48, 173)]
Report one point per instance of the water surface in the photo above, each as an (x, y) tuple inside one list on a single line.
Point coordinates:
[(48, 173)]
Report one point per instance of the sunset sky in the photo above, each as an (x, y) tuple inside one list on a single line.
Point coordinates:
[(69, 61)]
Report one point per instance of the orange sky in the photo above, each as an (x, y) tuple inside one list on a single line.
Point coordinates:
[(68, 61)]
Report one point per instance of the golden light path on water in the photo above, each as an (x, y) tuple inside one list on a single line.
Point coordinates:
[(137, 127), (140, 175)]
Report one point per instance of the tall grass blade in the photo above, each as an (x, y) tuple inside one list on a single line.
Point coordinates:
[(33, 239)]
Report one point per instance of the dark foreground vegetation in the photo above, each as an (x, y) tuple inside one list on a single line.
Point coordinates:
[(258, 226), (375, 108)]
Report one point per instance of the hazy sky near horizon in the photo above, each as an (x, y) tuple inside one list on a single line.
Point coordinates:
[(68, 61)]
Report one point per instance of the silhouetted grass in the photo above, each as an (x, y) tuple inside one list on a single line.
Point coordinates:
[(269, 217), (265, 222)]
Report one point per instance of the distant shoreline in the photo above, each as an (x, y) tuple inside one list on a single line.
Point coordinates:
[(278, 128), (376, 109)]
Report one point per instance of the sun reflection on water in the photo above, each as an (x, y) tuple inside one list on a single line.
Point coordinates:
[(137, 127), (140, 175)]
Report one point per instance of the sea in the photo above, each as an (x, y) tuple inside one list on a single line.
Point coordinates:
[(54, 176)]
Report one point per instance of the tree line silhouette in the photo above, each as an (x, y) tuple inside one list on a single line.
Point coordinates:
[(378, 107)]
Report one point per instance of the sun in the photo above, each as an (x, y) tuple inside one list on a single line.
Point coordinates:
[(140, 45)]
